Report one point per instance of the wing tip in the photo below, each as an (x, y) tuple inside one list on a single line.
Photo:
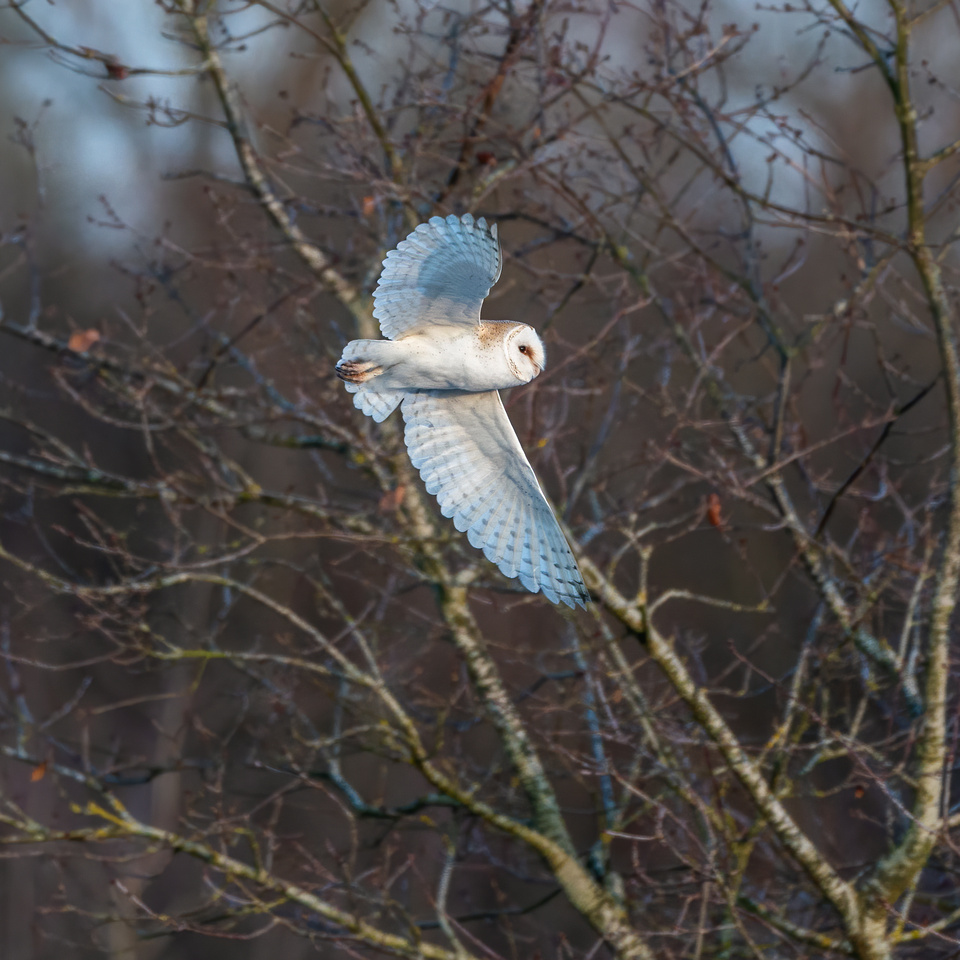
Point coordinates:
[(573, 592), (576, 596), (580, 599)]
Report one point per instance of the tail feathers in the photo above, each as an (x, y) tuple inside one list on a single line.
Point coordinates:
[(363, 361), (378, 404)]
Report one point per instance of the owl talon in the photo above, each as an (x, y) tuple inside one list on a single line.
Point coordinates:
[(358, 371)]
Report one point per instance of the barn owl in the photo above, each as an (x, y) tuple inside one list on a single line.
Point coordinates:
[(443, 366)]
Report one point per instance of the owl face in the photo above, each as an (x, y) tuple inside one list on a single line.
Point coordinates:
[(525, 353)]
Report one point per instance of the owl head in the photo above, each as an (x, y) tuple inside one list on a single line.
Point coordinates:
[(526, 355)]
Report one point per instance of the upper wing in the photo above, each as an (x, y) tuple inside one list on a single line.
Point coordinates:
[(439, 274), (469, 457)]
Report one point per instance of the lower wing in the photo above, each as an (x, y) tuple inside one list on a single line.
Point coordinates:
[(469, 457)]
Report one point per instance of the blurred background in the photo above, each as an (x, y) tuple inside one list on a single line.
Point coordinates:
[(729, 170)]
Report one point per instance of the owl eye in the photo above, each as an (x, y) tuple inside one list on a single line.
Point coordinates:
[(523, 348)]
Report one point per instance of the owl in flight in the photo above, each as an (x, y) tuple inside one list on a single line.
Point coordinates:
[(444, 365)]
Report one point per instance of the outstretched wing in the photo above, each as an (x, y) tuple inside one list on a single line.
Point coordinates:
[(439, 274), (466, 450)]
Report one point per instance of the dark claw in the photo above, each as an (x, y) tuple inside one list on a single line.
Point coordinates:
[(357, 371)]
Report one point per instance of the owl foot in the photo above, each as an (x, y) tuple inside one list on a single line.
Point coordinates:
[(358, 371)]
